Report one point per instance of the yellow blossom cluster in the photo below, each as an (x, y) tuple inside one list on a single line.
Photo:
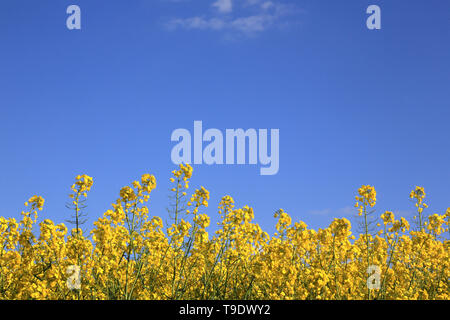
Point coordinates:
[(83, 183), (129, 255), (367, 197)]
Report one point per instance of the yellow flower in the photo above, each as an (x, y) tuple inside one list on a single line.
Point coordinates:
[(129, 255)]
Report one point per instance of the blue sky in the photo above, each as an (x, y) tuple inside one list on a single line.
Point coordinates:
[(354, 106)]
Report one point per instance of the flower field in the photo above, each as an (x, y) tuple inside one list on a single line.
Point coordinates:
[(131, 255)]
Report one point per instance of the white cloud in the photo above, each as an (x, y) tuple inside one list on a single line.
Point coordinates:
[(247, 25), (224, 6), (347, 211), (267, 4), (250, 17), (252, 24), (403, 213), (197, 23)]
